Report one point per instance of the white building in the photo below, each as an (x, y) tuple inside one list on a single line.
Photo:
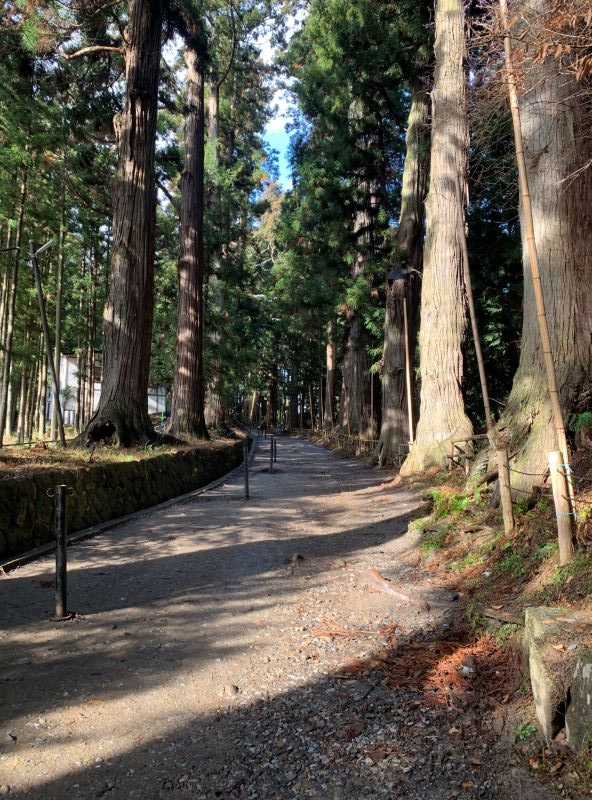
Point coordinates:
[(69, 390)]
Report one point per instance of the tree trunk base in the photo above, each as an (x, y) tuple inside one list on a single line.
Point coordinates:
[(118, 427)]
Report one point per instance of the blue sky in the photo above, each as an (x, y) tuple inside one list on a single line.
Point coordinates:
[(276, 137), (283, 103)]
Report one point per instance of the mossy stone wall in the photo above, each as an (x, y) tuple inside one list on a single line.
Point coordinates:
[(104, 491)]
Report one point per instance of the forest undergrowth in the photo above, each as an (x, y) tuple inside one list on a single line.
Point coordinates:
[(22, 460), (476, 663)]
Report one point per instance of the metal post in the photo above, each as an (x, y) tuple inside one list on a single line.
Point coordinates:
[(246, 465), (271, 456), (45, 326), (61, 586), (275, 450)]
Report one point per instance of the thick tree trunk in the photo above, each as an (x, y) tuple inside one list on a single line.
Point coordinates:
[(254, 410), (187, 413), (443, 313), (394, 429), (556, 136), (122, 414), (355, 391), (355, 414), (215, 298)]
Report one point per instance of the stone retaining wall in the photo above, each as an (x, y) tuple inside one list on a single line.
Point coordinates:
[(104, 492)]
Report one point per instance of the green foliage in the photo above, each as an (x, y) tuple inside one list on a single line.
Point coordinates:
[(433, 540), (580, 422), (470, 560), (524, 731), (546, 550), (513, 561), (578, 569), (504, 633), (448, 504)]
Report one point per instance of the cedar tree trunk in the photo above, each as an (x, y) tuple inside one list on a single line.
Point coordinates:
[(330, 377), (395, 423), (443, 313), (556, 126), (122, 413), (187, 412)]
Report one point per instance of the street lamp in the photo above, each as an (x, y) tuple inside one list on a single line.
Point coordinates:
[(397, 274)]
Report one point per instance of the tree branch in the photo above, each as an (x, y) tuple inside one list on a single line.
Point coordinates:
[(96, 48)]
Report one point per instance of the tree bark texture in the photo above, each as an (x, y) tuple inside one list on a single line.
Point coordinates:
[(330, 377), (395, 423), (11, 303), (187, 412), (122, 414), (215, 297), (443, 313), (557, 145)]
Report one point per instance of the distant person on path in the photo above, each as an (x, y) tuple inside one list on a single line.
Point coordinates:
[(263, 429)]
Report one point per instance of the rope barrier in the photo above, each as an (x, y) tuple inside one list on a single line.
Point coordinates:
[(530, 474)]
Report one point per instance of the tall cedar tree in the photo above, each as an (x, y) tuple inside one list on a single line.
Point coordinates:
[(395, 428), (558, 149), (187, 412), (122, 413), (443, 313)]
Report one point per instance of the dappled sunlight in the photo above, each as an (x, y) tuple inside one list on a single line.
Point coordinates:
[(169, 602)]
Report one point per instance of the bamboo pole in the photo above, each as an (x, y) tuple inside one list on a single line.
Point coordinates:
[(563, 509), (503, 467), (475, 326), (528, 222), (408, 385)]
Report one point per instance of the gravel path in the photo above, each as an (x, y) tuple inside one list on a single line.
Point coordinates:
[(197, 666)]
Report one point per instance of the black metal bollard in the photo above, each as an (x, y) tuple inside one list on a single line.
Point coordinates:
[(246, 464), (61, 580), (274, 450), (271, 455)]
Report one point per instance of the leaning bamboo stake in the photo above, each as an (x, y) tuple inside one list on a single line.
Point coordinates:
[(475, 329), (563, 506), (503, 467), (408, 383), (528, 222)]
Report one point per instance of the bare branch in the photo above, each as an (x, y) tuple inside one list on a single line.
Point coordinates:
[(96, 48)]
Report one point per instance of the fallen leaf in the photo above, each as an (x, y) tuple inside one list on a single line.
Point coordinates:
[(379, 754)]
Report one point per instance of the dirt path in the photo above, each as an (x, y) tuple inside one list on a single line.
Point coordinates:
[(198, 666)]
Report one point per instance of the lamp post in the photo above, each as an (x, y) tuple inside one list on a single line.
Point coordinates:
[(396, 274)]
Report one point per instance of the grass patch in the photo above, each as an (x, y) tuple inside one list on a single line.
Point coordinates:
[(433, 540), (513, 561), (470, 560), (504, 633)]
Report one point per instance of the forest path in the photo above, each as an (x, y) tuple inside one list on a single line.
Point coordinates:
[(198, 666)]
